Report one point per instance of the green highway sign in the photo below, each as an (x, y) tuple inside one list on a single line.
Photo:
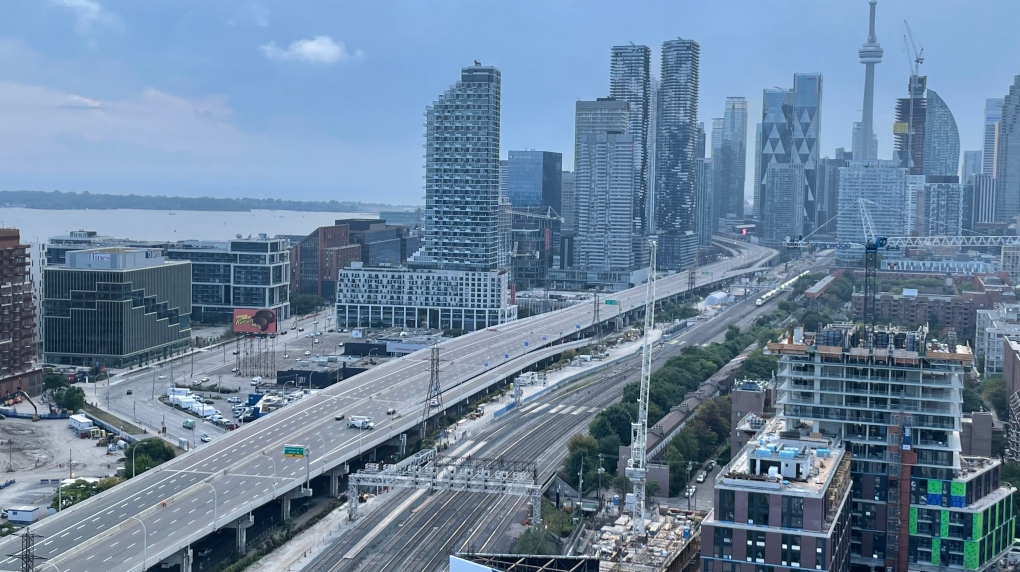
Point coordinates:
[(293, 450), (612, 302)]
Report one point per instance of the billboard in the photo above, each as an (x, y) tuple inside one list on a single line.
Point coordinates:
[(254, 321)]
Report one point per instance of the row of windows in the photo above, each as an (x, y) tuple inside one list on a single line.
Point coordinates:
[(758, 509)]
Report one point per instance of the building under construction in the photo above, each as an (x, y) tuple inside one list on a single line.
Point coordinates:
[(893, 397)]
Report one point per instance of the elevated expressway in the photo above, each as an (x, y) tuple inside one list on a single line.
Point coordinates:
[(127, 528)]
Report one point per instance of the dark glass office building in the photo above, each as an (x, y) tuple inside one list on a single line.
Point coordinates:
[(116, 307)]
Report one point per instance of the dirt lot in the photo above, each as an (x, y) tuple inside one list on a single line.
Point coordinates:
[(31, 451)]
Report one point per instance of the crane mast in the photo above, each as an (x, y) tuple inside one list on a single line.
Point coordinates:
[(636, 467)]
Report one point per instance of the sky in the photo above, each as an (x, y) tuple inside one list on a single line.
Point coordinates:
[(323, 99)]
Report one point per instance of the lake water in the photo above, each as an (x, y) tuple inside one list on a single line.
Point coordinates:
[(38, 225)]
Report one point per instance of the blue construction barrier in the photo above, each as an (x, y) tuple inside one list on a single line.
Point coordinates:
[(7, 484)]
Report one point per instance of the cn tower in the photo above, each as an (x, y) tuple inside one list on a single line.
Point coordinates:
[(869, 54)]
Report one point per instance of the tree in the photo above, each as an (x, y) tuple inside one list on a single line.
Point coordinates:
[(972, 401), (993, 390), (54, 381), (80, 490), (732, 332), (306, 303), (757, 366), (534, 541), (581, 449), (70, 398), (143, 455)]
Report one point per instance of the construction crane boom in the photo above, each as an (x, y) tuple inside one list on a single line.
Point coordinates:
[(911, 242), (637, 470)]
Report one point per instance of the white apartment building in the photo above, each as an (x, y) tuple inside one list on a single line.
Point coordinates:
[(991, 327), (375, 297)]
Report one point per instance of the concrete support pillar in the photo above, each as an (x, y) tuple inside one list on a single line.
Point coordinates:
[(334, 480), (286, 498), (242, 525)]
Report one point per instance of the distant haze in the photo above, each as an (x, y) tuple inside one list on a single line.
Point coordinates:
[(324, 100), (38, 225)]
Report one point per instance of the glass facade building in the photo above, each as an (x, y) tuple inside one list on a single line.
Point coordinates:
[(790, 134), (1007, 159), (116, 307), (630, 80), (941, 139), (535, 179)]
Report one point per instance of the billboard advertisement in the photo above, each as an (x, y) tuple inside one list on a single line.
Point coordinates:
[(254, 321)]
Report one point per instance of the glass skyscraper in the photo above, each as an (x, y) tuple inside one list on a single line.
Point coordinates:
[(630, 81), (790, 130), (676, 140), (731, 162), (462, 175), (1007, 161), (993, 115), (535, 179), (941, 139)]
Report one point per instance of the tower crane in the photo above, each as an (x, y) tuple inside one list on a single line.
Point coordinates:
[(637, 470)]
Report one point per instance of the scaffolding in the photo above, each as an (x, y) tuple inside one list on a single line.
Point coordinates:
[(256, 356)]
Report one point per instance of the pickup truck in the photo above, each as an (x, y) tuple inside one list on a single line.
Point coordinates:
[(360, 423)]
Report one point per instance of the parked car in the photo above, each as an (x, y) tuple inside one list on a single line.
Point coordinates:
[(205, 438), (205, 380), (701, 477), (689, 492), (390, 411), (308, 353), (129, 392), (234, 400), (315, 342), (162, 377)]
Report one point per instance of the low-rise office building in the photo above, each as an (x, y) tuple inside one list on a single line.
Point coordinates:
[(116, 307)]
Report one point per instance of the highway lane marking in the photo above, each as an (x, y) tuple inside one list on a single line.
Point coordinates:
[(390, 372)]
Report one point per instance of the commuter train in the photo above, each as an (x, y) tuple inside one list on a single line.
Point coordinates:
[(784, 286)]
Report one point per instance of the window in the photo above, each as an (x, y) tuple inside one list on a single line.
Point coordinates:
[(757, 509), (793, 512), (820, 553), (790, 550), (755, 546), (723, 543), (726, 505)]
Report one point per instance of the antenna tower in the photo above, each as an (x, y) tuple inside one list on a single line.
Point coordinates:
[(27, 552)]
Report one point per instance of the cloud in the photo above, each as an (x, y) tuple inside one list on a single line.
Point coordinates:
[(51, 123), (318, 50), (89, 13)]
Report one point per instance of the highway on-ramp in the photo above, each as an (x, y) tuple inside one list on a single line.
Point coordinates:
[(128, 528)]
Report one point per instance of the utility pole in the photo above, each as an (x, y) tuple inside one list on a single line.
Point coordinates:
[(435, 393), (580, 482)]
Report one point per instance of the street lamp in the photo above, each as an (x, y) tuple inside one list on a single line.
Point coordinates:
[(145, 546), (272, 460), (214, 518)]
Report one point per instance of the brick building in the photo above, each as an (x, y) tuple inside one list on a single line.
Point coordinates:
[(18, 348), (316, 259)]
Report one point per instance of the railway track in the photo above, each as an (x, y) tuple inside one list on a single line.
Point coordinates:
[(448, 522)]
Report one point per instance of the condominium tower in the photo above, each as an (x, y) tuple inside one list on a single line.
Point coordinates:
[(456, 279), (604, 186), (630, 81), (676, 139), (731, 161)]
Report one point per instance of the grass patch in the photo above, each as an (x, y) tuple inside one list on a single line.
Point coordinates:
[(113, 420)]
